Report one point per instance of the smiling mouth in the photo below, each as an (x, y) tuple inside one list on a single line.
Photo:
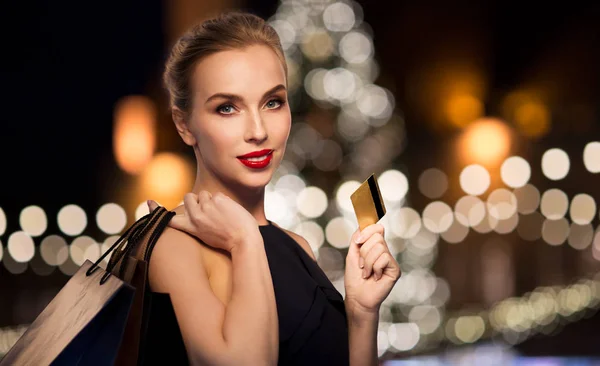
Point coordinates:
[(257, 162)]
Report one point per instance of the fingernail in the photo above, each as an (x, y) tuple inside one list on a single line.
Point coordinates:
[(376, 277), (361, 262), (364, 273)]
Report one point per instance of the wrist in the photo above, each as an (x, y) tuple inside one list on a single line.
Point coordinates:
[(359, 315), (246, 243)]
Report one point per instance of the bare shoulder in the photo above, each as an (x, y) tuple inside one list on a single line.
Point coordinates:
[(300, 240), (174, 251)]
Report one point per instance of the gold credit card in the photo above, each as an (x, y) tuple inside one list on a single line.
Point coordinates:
[(368, 203)]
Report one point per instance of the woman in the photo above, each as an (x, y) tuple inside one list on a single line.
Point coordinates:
[(232, 287)]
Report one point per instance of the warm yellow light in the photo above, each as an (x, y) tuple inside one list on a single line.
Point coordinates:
[(462, 109), (487, 141), (134, 135), (532, 119), (529, 113), (167, 179)]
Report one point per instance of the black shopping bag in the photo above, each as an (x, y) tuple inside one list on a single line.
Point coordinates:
[(82, 325)]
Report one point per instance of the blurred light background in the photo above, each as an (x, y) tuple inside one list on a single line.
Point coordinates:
[(481, 122)]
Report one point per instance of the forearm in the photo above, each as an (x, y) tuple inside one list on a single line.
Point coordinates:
[(250, 327), (362, 338)]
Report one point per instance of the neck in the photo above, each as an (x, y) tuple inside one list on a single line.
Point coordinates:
[(253, 200)]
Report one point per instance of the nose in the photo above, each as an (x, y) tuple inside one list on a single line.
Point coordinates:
[(257, 132)]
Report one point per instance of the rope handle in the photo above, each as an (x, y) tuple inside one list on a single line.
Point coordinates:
[(127, 241)]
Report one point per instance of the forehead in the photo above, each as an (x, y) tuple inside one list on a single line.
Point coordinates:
[(245, 72)]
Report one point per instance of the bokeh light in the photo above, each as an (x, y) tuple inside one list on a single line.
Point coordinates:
[(530, 115), (583, 209), (312, 232), (356, 47), (338, 232), (501, 204), (486, 141), (54, 250), (167, 178), (554, 204), (2, 221), (33, 220), (404, 336), (580, 236), (555, 164), (456, 233), (428, 318), (528, 198), (433, 183), (317, 45), (515, 172), (72, 220), (343, 194), (474, 179), (82, 248), (340, 84), (20, 247), (134, 135), (555, 232), (437, 217), (405, 222), (393, 185), (462, 109), (591, 157), (111, 218), (339, 17), (374, 101), (469, 210), (312, 202)]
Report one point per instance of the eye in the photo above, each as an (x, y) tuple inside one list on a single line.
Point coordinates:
[(274, 103), (225, 109)]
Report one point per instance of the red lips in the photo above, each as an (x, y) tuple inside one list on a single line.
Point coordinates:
[(255, 154)]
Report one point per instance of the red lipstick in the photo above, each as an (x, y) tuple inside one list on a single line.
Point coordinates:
[(264, 156)]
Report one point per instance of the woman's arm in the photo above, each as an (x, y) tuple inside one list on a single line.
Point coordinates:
[(362, 337), (245, 331)]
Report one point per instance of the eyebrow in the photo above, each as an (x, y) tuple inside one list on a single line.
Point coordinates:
[(238, 98)]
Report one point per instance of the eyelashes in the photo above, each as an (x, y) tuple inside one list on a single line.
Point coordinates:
[(228, 108)]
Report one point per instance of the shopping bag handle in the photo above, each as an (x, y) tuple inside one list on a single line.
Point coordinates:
[(135, 232)]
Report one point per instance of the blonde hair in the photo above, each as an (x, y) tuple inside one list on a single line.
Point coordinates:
[(232, 30)]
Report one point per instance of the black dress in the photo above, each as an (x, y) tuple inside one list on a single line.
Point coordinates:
[(312, 318)]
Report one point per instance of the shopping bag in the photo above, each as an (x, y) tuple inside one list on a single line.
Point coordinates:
[(82, 325)]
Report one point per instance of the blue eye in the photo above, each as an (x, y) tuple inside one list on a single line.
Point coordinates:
[(225, 109), (274, 103)]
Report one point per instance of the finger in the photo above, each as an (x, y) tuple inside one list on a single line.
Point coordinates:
[(353, 250), (381, 264), (366, 247), (204, 197), (370, 243), (181, 222), (389, 266), (369, 231), (152, 205), (372, 257), (191, 205)]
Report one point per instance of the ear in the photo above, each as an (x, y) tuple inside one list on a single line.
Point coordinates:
[(179, 117)]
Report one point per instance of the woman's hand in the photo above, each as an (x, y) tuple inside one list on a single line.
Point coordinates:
[(371, 271), (216, 219)]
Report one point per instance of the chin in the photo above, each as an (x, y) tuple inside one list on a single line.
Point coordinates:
[(257, 180)]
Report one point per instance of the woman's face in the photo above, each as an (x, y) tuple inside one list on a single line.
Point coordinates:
[(240, 106)]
